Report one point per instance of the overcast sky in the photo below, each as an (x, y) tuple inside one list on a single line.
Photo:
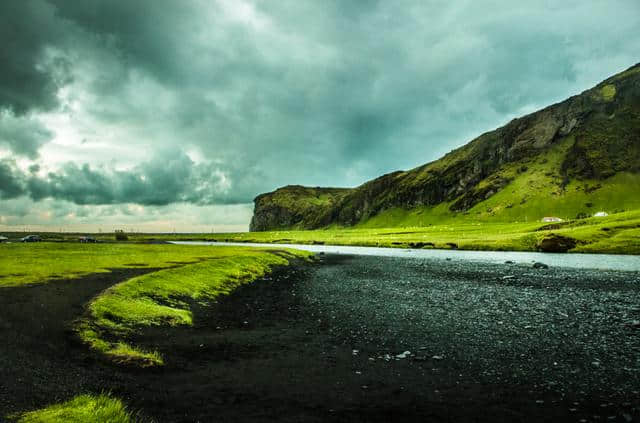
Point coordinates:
[(165, 115)]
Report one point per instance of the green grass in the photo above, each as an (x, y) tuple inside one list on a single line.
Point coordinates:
[(187, 274), (617, 233), (608, 92), (165, 297), (81, 409), (22, 264)]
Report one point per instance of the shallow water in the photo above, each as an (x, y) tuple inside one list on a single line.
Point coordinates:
[(576, 261)]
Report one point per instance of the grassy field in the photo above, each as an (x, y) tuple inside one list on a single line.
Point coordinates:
[(617, 233), (38, 262), (81, 409), (183, 275), (165, 297)]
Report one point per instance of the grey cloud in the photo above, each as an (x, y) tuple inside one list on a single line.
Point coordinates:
[(29, 78), (317, 93), (12, 184), (51, 213), (23, 135), (170, 177)]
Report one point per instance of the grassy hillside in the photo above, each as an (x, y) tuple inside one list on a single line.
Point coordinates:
[(536, 189), (570, 159)]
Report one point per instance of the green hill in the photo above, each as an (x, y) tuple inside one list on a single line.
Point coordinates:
[(569, 160)]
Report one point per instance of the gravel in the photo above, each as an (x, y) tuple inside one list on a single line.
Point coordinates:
[(566, 330)]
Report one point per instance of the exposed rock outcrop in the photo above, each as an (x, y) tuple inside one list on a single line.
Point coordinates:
[(554, 243)]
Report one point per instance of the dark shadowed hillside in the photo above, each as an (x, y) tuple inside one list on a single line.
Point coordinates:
[(570, 159)]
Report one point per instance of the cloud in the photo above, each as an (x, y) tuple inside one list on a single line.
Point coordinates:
[(55, 214), (23, 135), (31, 72), (169, 177), (12, 184), (263, 94)]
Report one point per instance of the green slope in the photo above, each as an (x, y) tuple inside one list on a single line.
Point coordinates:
[(570, 159)]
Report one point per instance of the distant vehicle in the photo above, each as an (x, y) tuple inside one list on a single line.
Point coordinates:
[(4, 239), (31, 238), (89, 239), (601, 214)]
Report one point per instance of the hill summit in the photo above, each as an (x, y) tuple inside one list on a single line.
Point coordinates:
[(569, 160)]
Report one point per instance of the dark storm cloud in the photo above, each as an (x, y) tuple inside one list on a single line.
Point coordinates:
[(22, 135), (170, 177), (272, 93), (12, 183), (29, 77)]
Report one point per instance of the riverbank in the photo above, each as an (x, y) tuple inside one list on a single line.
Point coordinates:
[(614, 234), (90, 302), (357, 339)]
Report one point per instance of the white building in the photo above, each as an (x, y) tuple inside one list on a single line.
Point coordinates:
[(551, 219), (601, 214)]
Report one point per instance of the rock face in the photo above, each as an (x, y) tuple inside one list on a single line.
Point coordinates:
[(295, 206), (602, 123), (554, 243)]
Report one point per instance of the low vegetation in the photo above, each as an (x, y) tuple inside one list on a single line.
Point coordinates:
[(22, 264), (617, 233), (165, 298), (179, 277), (81, 409)]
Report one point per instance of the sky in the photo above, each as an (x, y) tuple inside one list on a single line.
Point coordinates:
[(172, 115)]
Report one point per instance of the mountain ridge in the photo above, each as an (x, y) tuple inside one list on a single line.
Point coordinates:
[(562, 151)]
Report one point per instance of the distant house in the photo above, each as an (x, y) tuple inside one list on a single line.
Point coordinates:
[(601, 214), (551, 219)]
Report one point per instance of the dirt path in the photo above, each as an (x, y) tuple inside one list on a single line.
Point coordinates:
[(310, 344)]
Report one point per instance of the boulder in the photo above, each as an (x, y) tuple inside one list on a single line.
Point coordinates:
[(554, 243)]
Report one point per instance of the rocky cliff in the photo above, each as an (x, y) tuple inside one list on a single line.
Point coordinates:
[(599, 131), (295, 206)]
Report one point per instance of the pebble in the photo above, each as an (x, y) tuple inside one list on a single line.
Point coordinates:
[(404, 355)]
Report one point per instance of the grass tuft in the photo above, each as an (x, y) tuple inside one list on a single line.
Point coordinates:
[(608, 92), (81, 409)]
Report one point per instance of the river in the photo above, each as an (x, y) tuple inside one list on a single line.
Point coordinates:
[(576, 261)]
